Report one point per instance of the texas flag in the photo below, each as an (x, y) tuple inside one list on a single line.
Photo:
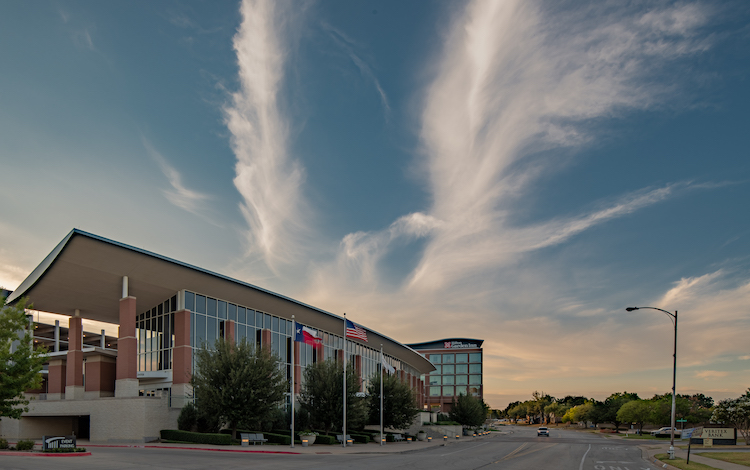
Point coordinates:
[(303, 334)]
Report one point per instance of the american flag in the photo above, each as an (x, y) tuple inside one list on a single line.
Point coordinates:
[(355, 331)]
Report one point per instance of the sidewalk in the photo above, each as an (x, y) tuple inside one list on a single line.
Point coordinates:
[(651, 449), (371, 448)]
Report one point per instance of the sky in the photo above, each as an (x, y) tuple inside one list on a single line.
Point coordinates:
[(516, 171)]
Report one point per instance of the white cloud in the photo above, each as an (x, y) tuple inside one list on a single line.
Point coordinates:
[(179, 195), (269, 180)]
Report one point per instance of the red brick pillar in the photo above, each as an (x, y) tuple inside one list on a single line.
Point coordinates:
[(56, 379), (126, 384), (100, 376), (298, 367), (340, 356), (402, 375), (265, 339), (182, 360), (74, 373), (358, 368), (408, 380), (229, 331)]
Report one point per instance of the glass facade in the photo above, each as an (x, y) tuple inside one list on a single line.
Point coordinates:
[(155, 336), (456, 373)]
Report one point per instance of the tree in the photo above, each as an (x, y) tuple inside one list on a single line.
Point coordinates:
[(518, 411), (556, 409), (468, 411), (399, 402), (612, 405), (20, 363), (238, 384), (322, 396), (537, 405), (735, 412), (662, 408), (636, 411), (581, 413)]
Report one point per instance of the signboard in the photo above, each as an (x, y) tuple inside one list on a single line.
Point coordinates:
[(717, 436), (58, 442), (459, 345)]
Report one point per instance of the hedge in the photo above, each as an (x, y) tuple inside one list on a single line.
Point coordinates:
[(197, 437), (326, 440), (361, 438)]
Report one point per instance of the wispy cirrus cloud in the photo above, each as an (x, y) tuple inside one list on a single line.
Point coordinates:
[(350, 47), (268, 178), (179, 195)]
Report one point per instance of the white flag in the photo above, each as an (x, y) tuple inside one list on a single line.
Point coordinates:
[(389, 368)]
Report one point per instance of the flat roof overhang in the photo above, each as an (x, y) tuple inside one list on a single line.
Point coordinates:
[(85, 272)]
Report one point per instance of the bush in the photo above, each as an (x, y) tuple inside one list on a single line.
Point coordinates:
[(25, 445), (197, 437), (277, 438), (3, 443), (65, 451), (326, 440), (361, 438), (188, 419)]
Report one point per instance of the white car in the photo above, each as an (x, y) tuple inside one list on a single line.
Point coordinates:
[(666, 431), (543, 431)]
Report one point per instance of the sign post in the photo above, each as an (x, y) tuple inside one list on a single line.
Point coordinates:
[(694, 432)]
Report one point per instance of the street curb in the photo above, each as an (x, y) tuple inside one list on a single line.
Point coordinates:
[(45, 454)]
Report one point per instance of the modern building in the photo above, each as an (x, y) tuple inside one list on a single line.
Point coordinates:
[(127, 388), (458, 371)]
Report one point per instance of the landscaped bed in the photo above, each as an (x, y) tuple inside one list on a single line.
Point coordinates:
[(682, 463), (740, 458)]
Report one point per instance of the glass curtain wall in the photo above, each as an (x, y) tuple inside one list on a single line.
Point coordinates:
[(155, 336)]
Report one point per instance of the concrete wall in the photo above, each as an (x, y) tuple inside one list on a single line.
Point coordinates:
[(112, 420)]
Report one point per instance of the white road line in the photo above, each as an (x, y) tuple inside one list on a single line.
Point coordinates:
[(580, 467), (461, 450)]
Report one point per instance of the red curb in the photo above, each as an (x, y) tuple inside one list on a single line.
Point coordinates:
[(46, 454), (198, 448)]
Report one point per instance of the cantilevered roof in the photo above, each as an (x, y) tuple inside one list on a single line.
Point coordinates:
[(448, 343), (84, 272)]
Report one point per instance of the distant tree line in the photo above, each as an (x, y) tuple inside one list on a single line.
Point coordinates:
[(617, 409)]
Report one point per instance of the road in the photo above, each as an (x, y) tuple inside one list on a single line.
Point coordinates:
[(519, 449)]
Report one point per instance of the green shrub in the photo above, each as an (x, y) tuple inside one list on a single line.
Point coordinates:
[(197, 437), (326, 440), (25, 445), (277, 438), (188, 419), (361, 438), (3, 443), (65, 451)]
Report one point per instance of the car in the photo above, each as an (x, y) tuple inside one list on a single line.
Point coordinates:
[(542, 431), (665, 431)]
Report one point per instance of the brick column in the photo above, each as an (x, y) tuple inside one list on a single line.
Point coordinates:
[(358, 368), (298, 367), (340, 356), (229, 327), (182, 360), (126, 384), (74, 373), (265, 339), (100, 376), (56, 379), (402, 375)]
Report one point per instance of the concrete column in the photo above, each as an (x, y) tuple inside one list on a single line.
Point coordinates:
[(126, 384), (265, 339), (358, 368), (57, 335), (100, 376), (74, 373), (182, 360), (56, 376)]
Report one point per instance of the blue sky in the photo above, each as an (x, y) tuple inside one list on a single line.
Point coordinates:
[(516, 171)]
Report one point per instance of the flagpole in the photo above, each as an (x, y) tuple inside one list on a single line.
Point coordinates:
[(344, 439), (382, 359), (294, 334)]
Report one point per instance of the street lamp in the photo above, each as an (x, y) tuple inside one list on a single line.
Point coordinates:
[(673, 317)]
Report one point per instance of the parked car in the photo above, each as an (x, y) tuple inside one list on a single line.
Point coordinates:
[(666, 431), (542, 431)]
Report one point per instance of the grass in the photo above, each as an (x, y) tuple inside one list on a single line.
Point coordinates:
[(740, 458), (682, 463)]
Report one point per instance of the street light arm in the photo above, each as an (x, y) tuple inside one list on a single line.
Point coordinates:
[(673, 316)]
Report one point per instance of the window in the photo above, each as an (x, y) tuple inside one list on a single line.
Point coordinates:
[(210, 307), (449, 369), (462, 379), (434, 391), (475, 357), (222, 310), (475, 379), (434, 380), (462, 357), (460, 390), (200, 304), (448, 358), (462, 369), (448, 379), (475, 368), (241, 317), (438, 370), (190, 301), (447, 391), (474, 391), (434, 358)]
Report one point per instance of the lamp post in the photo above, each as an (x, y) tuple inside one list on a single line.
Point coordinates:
[(673, 317)]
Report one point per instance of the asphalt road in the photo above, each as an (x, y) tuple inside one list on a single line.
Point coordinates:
[(519, 449)]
